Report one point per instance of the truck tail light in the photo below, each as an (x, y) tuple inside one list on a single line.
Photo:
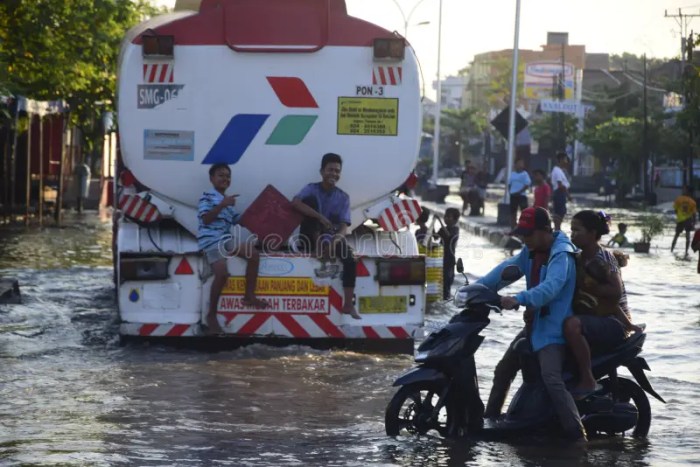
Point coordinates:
[(153, 268), (389, 48), (157, 46), (401, 271)]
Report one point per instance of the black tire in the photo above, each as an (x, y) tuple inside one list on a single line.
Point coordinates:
[(629, 391), (409, 410)]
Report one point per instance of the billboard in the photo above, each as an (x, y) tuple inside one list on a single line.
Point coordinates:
[(542, 78)]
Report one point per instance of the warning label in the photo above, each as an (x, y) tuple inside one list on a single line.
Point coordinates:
[(368, 116), (276, 304), (277, 286)]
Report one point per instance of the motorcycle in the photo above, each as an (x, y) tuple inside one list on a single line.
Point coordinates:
[(441, 394)]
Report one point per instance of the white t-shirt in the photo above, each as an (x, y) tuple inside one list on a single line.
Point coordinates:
[(557, 176)]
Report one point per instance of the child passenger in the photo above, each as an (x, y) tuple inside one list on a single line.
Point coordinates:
[(601, 314)]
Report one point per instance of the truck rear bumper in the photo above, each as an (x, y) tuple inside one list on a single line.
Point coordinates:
[(381, 339)]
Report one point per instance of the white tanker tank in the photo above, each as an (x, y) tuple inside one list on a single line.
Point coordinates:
[(268, 88)]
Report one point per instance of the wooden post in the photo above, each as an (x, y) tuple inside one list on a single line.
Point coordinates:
[(61, 164), (29, 170), (41, 170), (51, 123), (13, 163), (6, 174)]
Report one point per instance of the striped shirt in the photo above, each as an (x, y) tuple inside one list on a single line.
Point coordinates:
[(210, 234)]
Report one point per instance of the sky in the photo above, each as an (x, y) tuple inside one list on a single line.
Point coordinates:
[(471, 27)]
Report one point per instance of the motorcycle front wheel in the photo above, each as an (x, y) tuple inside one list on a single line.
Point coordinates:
[(411, 411)]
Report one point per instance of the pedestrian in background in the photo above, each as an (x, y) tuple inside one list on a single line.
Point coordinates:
[(686, 209), (560, 185), (518, 183), (695, 245), (467, 185), (543, 191), (449, 234)]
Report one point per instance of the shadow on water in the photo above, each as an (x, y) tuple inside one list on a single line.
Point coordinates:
[(528, 451)]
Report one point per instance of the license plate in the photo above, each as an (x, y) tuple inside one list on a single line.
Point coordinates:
[(383, 304)]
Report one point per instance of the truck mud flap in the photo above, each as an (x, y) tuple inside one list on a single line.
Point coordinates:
[(637, 366)]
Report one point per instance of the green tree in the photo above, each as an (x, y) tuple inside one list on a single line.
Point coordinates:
[(498, 92), (67, 49), (458, 127), (545, 130), (620, 141)]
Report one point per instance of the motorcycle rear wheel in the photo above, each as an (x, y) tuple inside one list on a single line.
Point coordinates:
[(409, 411), (628, 390)]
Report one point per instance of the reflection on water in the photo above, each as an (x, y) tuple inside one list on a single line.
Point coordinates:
[(71, 395)]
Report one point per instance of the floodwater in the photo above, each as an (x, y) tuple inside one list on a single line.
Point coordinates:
[(70, 395)]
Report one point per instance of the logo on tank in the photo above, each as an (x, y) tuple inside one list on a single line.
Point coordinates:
[(243, 128), (160, 87)]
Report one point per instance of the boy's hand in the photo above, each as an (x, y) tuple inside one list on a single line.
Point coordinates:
[(229, 200), (325, 222)]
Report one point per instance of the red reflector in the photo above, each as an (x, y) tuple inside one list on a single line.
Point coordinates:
[(411, 181), (361, 269), (184, 267), (127, 178)]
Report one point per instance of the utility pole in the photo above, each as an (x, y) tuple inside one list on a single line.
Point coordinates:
[(683, 20), (562, 96), (646, 181)]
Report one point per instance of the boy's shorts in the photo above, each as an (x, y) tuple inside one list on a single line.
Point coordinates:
[(240, 237), (602, 332)]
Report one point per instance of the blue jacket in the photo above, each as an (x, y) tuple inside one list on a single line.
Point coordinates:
[(555, 290)]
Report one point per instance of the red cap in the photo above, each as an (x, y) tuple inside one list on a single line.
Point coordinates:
[(532, 219)]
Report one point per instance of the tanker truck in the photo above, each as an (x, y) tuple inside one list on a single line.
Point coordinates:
[(266, 88)]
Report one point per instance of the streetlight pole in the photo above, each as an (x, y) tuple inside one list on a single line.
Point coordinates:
[(436, 137), (513, 92), (407, 18)]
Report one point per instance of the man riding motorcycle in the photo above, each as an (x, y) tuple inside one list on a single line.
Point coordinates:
[(548, 262)]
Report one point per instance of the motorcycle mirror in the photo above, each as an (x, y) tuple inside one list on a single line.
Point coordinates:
[(460, 269), (511, 273)]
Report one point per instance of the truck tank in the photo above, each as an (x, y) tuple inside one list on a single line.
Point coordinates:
[(267, 88)]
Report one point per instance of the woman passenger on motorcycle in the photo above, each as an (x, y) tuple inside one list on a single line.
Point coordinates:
[(601, 318)]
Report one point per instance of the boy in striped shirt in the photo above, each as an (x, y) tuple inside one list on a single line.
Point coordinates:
[(216, 217)]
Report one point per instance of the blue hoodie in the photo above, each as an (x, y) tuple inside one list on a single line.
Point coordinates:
[(555, 290)]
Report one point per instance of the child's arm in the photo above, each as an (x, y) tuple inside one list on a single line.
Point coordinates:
[(621, 316)]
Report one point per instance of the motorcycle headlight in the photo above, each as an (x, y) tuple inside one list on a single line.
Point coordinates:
[(461, 298), (421, 356)]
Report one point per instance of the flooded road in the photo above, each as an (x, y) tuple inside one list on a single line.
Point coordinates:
[(70, 395)]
